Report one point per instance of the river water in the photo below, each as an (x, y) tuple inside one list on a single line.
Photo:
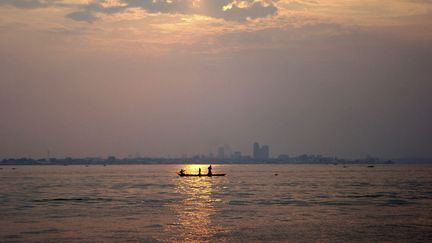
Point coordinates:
[(150, 203)]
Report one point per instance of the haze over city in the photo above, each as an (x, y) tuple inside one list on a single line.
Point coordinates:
[(165, 78), (215, 121)]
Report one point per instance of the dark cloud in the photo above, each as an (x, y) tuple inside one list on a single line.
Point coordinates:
[(86, 16), (28, 4), (177, 6), (211, 8), (34, 4), (87, 13)]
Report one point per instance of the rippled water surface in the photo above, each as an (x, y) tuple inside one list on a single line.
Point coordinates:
[(150, 203)]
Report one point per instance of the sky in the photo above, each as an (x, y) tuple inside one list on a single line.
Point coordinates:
[(346, 78)]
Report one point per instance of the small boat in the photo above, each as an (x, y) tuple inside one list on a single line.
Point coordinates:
[(201, 175)]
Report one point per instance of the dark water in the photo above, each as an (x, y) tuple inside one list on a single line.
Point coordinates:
[(150, 203)]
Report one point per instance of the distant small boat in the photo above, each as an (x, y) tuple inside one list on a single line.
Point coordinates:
[(200, 175), (371, 166)]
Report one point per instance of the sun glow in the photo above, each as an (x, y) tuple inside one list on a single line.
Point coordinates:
[(193, 169), (194, 212)]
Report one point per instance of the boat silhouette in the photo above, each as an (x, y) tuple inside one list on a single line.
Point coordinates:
[(209, 175)]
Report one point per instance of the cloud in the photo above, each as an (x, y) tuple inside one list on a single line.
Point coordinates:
[(27, 4), (85, 16), (222, 9), (87, 12), (253, 11), (34, 4), (295, 5)]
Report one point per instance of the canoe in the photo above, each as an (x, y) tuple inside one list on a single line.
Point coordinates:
[(201, 175)]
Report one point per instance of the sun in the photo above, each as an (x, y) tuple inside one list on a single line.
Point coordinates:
[(193, 169)]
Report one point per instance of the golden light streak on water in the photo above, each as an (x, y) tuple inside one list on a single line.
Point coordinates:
[(194, 213)]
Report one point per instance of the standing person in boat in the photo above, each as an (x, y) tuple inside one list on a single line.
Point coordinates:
[(210, 171), (182, 172), (199, 171)]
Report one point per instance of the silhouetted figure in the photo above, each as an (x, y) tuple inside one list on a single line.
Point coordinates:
[(182, 172), (199, 171), (210, 171)]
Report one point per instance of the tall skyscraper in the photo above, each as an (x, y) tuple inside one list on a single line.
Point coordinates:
[(256, 150), (261, 153), (265, 152)]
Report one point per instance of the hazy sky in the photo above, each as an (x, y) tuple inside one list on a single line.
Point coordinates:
[(165, 77)]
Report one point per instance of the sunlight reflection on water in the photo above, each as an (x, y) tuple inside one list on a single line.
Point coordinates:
[(194, 213), (151, 203)]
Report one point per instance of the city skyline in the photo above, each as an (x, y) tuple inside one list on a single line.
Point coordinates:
[(224, 154)]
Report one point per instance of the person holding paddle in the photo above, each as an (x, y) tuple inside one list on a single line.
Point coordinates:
[(210, 171)]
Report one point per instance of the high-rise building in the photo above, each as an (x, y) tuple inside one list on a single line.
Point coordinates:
[(265, 152), (260, 153), (256, 150)]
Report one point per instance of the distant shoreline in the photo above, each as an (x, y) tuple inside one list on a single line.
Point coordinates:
[(187, 163)]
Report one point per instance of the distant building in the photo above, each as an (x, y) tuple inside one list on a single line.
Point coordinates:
[(265, 152), (256, 150), (261, 153), (283, 157), (237, 155)]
